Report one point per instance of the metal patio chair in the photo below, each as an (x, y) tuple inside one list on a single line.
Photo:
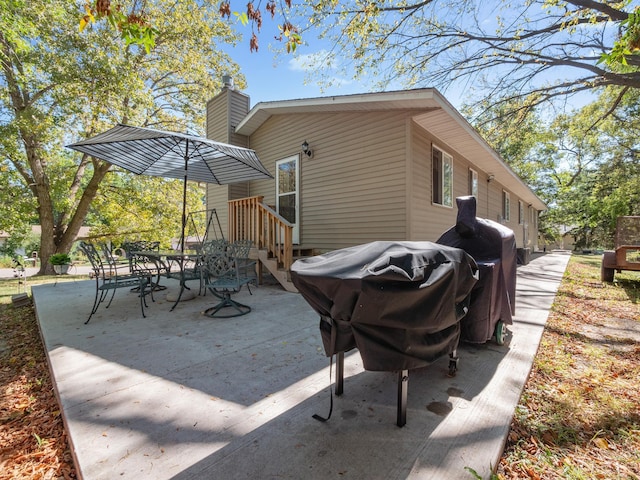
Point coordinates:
[(139, 261), (210, 251), (110, 276), (194, 267), (226, 274)]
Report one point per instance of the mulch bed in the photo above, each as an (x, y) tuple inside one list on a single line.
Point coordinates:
[(33, 442)]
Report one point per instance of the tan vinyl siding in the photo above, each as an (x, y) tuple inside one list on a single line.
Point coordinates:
[(369, 178), (217, 119), (483, 204), (428, 221), (238, 108), (353, 189), (495, 210), (420, 217), (217, 197), (224, 112), (531, 240), (494, 202), (239, 190), (533, 228)]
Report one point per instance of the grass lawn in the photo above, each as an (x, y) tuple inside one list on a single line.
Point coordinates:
[(578, 418), (579, 415)]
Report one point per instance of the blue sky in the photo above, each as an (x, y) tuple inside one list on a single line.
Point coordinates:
[(284, 76), (281, 76)]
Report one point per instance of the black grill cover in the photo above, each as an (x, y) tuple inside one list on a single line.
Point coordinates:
[(493, 246), (399, 303)]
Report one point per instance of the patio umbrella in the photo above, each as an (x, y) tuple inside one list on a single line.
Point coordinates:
[(158, 153)]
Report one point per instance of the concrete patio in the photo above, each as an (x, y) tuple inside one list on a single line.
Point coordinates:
[(178, 395)]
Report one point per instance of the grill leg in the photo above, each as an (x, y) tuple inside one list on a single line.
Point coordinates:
[(403, 386), (453, 363), (340, 373)]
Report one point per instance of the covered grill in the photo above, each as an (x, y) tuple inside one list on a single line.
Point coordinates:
[(493, 246), (399, 303)]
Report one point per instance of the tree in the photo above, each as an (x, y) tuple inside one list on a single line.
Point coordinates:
[(513, 59), (522, 54), (527, 54), (522, 142), (131, 208), (135, 25), (584, 164), (17, 209), (605, 169), (58, 85)]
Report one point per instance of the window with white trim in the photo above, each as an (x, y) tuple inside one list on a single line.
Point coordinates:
[(442, 177), (506, 206), (473, 182), (520, 212), (532, 215)]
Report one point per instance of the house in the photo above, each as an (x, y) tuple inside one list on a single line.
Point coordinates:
[(36, 233), (358, 168)]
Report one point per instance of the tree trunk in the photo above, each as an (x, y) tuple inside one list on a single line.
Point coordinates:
[(60, 238)]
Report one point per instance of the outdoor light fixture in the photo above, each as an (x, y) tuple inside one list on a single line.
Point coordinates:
[(306, 149), (490, 178)]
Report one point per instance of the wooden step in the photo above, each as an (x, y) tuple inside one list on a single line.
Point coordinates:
[(281, 275)]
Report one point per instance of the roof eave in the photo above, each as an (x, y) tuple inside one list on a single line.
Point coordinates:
[(403, 99)]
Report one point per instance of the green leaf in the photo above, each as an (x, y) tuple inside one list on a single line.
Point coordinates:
[(242, 18)]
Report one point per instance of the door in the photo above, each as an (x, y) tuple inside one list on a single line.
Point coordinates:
[(288, 192)]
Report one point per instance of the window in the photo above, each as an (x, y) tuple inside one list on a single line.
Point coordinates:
[(520, 212), (506, 206), (442, 177), (473, 182), (532, 216)]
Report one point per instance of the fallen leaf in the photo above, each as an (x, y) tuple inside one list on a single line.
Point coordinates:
[(601, 443)]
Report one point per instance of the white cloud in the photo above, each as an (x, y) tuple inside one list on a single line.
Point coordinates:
[(321, 59), (320, 67)]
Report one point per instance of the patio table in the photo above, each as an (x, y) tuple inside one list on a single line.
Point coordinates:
[(167, 261)]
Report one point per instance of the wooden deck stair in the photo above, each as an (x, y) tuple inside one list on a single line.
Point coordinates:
[(272, 235), (280, 274)]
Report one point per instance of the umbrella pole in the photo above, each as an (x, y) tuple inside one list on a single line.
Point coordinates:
[(184, 197)]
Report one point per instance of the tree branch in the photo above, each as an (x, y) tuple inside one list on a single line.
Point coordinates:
[(613, 13)]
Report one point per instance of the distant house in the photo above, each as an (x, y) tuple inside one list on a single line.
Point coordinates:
[(36, 231), (358, 168), (566, 238)]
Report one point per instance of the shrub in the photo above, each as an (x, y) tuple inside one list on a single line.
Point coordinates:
[(60, 259)]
